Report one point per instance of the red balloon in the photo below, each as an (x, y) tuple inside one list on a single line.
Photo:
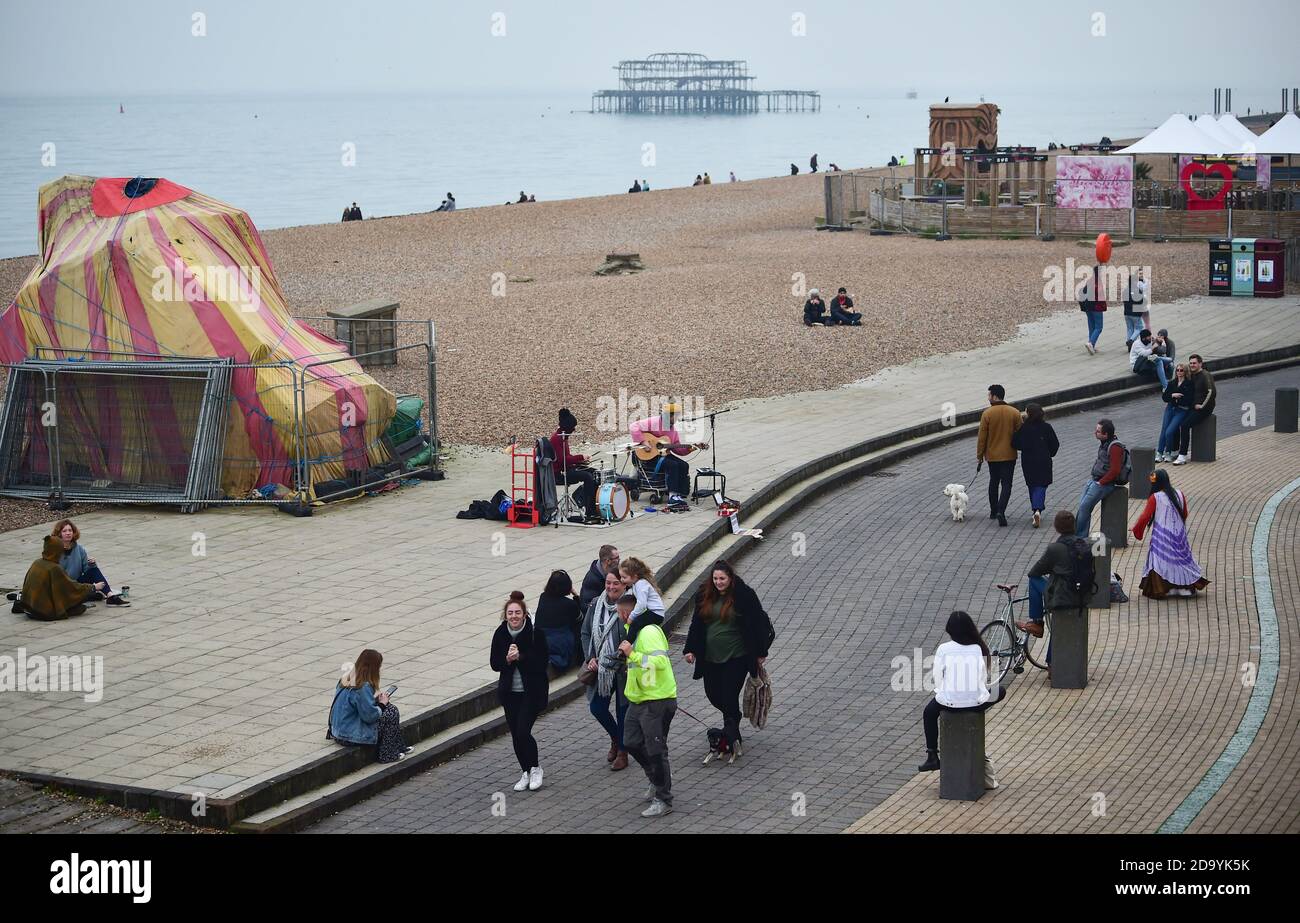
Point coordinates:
[(1103, 248)]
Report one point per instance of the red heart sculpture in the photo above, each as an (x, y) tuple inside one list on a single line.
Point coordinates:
[(1195, 201)]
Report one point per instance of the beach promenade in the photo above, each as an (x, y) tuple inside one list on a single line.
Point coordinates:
[(220, 675)]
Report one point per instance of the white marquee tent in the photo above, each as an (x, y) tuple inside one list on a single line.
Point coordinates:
[(1180, 135), (1282, 138), (1229, 125), (1210, 126)]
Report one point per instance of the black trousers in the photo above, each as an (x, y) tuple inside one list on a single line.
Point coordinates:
[(1000, 474), (930, 717), (588, 483), (1185, 431), (520, 715), (673, 469), (846, 318), (723, 683)]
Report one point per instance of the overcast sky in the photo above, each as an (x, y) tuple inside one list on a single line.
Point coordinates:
[(94, 47)]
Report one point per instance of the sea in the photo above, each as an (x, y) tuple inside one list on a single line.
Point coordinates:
[(301, 159)]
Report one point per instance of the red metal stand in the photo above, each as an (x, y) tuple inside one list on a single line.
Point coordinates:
[(523, 507)]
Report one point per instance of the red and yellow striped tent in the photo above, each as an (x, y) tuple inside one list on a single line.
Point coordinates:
[(143, 268)]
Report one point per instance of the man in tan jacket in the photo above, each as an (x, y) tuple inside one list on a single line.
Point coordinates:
[(997, 425)]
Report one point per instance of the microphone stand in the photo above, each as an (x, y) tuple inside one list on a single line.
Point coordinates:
[(712, 471)]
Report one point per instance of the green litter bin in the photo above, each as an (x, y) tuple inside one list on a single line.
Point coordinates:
[(1243, 267)]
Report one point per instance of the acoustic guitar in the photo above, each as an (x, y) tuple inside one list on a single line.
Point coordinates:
[(653, 447)]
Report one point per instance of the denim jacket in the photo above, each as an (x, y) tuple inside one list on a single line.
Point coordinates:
[(354, 718)]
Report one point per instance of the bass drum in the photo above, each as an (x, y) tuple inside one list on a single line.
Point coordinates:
[(613, 502)]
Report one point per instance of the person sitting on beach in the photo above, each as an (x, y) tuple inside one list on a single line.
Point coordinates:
[(733, 176), (842, 311), (451, 202), (699, 180), (893, 161), (80, 567), (532, 198), (794, 170), (814, 310), (636, 186), (48, 594), (835, 168), (707, 180), (523, 197), (645, 185)]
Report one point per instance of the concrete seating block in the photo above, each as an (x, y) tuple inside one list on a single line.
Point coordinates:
[(1205, 438), (1144, 462), (1101, 596), (961, 755), (1114, 517), (1286, 410), (1070, 645)]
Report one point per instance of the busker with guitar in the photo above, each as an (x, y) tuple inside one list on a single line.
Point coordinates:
[(657, 450)]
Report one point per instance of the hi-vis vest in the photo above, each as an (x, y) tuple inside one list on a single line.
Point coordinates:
[(649, 671)]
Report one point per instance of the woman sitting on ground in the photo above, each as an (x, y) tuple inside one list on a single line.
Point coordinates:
[(1171, 569), (48, 594), (79, 566), (961, 683), (560, 619), (362, 717)]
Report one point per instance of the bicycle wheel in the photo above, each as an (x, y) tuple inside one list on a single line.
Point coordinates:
[(1001, 640), (1036, 648)]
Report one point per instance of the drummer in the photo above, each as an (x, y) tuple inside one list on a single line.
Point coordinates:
[(573, 469)]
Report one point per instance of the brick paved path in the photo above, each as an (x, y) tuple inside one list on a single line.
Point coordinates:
[(882, 569)]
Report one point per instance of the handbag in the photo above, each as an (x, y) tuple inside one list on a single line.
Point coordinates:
[(329, 733)]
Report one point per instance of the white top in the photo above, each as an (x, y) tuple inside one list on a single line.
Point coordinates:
[(1140, 349), (961, 678), (647, 597)]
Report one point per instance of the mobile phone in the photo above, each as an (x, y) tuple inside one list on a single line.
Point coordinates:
[(391, 689)]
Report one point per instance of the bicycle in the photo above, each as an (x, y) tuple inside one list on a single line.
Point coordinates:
[(1009, 647)]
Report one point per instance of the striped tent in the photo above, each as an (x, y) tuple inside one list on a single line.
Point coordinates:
[(143, 268)]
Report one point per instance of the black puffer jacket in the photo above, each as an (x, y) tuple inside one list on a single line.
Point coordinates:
[(531, 663), (755, 628)]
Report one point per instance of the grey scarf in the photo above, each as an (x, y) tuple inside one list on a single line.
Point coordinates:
[(608, 662)]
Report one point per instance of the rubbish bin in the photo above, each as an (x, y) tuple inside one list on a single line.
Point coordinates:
[(1270, 268), (1243, 266), (1220, 267)]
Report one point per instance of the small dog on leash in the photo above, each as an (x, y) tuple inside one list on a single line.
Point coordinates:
[(957, 500), (719, 747)]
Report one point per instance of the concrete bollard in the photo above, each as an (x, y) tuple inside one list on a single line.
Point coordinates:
[(1070, 646), (1286, 410), (1205, 437), (1114, 516), (1139, 487), (961, 754)]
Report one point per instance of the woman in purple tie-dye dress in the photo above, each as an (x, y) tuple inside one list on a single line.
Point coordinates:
[(1171, 569)]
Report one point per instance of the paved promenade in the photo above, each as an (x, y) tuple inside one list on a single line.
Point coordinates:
[(220, 675), (883, 567)]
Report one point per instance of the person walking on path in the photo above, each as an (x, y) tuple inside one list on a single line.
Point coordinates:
[(361, 715), (519, 654), (593, 584), (652, 691), (961, 683), (1204, 398), (728, 640), (1051, 579), (1094, 308), (1137, 312), (602, 633), (1110, 470), (998, 425), (559, 618), (812, 163), (1171, 568), (1178, 398), (1037, 444)]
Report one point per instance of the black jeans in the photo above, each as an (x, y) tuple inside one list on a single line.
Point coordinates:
[(520, 715), (588, 483), (1000, 474), (845, 318), (722, 684), (930, 717), (1185, 431), (673, 469)]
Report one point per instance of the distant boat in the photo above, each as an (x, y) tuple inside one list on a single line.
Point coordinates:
[(911, 94)]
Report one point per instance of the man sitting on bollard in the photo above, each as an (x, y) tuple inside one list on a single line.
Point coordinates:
[(1111, 469), (1060, 580)]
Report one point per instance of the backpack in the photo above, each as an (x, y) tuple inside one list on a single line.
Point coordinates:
[(1125, 467), (1083, 568)]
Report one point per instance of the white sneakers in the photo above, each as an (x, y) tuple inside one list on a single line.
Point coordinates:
[(657, 809), (535, 778), (1092, 350), (1180, 460), (522, 784)]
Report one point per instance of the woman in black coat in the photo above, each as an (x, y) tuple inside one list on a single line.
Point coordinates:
[(1037, 444), (728, 640), (519, 655)]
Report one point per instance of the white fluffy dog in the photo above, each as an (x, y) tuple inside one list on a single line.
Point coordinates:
[(957, 499)]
